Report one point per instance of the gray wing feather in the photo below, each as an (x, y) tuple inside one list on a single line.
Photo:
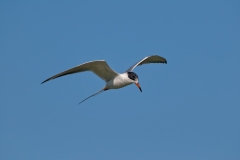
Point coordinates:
[(146, 60), (100, 68)]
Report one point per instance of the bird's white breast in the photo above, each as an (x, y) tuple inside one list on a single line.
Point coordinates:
[(119, 81)]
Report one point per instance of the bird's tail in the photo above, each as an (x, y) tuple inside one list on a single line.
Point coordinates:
[(93, 95)]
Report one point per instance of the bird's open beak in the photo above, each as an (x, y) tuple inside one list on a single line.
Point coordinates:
[(138, 85)]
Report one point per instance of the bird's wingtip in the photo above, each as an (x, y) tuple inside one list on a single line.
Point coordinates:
[(45, 81)]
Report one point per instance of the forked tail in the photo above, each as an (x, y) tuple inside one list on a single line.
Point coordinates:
[(93, 95)]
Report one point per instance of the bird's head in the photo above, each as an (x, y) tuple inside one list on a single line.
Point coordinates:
[(134, 77)]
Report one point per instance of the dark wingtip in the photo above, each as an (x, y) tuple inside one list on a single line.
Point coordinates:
[(45, 81), (162, 61), (165, 61)]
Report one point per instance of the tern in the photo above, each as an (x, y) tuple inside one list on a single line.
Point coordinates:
[(113, 79)]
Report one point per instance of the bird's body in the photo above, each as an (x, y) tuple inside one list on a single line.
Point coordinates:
[(121, 80), (113, 79)]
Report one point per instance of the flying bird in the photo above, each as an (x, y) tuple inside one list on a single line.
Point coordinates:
[(113, 79)]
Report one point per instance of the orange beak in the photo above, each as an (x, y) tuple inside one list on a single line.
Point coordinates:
[(138, 85)]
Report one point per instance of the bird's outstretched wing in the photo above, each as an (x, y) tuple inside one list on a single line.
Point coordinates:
[(100, 68), (146, 60)]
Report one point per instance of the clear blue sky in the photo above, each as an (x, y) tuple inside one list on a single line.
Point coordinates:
[(189, 108)]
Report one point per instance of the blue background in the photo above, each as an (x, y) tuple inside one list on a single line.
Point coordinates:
[(189, 108)]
